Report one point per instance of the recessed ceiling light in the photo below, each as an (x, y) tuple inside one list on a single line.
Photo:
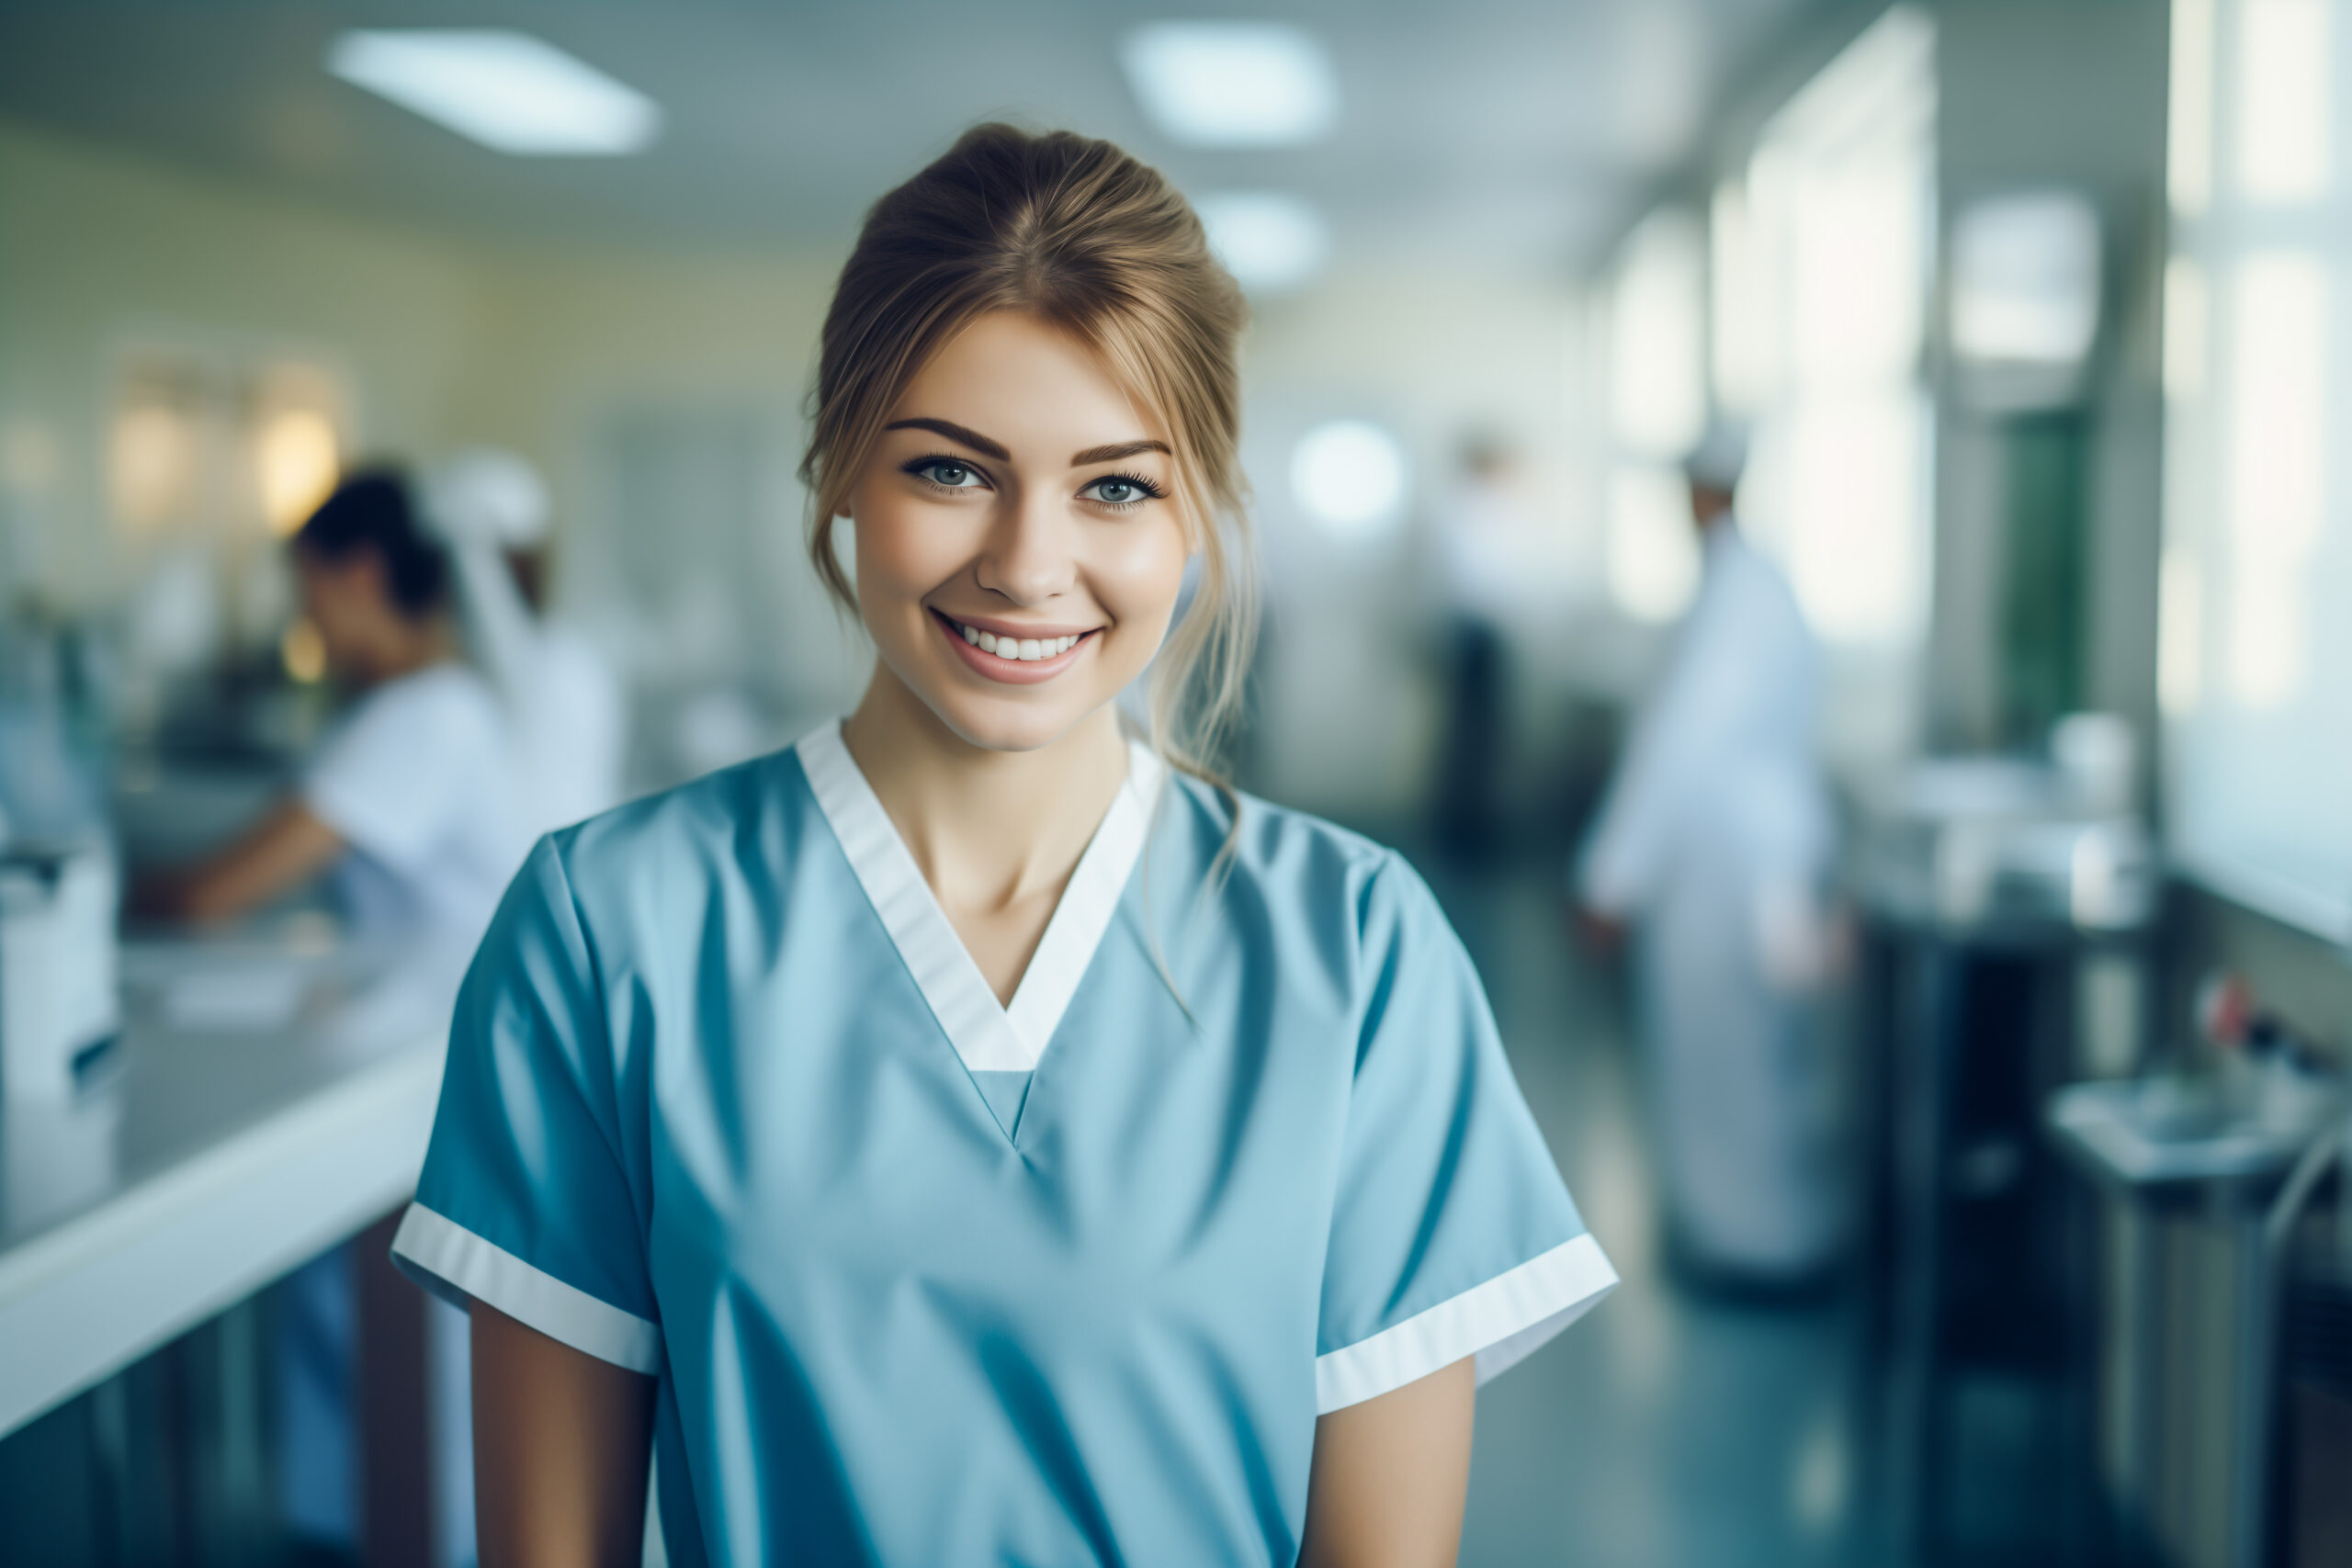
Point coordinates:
[(507, 90), (1232, 84), (1350, 475), (1268, 240)]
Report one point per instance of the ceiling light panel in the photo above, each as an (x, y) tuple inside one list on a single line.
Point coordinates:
[(509, 91), (1232, 84), (1269, 240)]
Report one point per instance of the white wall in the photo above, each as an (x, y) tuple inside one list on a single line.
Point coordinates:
[(1432, 356), (99, 252), (575, 354)]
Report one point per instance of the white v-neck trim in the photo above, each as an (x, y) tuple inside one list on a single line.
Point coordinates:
[(989, 1035)]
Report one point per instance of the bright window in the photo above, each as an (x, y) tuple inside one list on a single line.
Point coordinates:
[(1657, 411), (1822, 255), (2257, 531), (1823, 263)]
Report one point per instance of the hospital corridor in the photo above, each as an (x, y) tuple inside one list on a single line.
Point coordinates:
[(1532, 784)]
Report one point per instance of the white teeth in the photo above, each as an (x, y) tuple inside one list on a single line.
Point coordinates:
[(1018, 648)]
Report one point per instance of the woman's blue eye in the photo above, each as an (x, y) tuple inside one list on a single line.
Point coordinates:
[(1118, 492), (950, 474)]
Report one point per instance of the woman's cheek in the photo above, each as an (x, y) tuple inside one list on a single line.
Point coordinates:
[(1142, 572), (890, 548)]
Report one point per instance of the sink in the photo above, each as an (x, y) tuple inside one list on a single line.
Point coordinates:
[(2167, 1131)]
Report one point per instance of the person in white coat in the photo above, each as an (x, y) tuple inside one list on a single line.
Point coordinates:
[(1712, 846), (411, 809), (565, 709)]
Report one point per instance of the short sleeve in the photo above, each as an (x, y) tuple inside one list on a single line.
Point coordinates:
[(525, 1200), (1452, 1233), (391, 779)]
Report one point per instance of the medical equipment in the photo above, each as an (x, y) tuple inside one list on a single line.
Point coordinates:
[(58, 1003)]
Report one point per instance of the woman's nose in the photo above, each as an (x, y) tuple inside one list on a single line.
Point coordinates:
[(1029, 559)]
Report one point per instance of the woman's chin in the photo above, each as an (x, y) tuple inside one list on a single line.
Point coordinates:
[(1013, 719), (1000, 725)]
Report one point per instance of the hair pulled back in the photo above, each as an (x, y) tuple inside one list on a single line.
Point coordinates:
[(1079, 234), (374, 511)]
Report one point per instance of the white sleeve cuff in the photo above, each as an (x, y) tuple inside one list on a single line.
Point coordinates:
[(459, 1266), (1500, 1322)]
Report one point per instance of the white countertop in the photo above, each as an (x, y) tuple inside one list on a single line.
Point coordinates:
[(270, 1095)]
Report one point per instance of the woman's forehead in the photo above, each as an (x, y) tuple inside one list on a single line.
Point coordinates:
[(1027, 384)]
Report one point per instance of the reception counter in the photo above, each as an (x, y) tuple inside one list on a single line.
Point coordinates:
[(270, 1095)]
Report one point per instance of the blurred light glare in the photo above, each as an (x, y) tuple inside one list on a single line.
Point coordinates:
[(2279, 433), (1739, 346), (2188, 159), (2026, 280), (1658, 367), (153, 464), (2276, 467), (1856, 550), (1350, 476), (297, 464), (1232, 84), (2186, 325), (1269, 242), (2180, 634), (509, 91), (2267, 653), (1840, 225), (2284, 61), (304, 653), (1653, 547)]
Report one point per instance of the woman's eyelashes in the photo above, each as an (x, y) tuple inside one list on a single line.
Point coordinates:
[(943, 472), (1116, 492), (1121, 493)]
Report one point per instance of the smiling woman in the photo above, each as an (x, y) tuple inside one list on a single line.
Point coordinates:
[(1019, 578), (841, 1126), (1133, 350)]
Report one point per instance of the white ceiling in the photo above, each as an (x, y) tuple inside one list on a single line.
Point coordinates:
[(1514, 132)]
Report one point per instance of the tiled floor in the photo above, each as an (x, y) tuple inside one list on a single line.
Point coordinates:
[(1664, 1430)]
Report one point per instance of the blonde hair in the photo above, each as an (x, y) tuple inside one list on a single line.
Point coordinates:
[(1075, 232)]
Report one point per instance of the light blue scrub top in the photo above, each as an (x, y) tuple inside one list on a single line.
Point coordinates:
[(928, 1280)]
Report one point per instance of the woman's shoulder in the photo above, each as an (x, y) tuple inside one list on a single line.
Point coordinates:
[(728, 823), (1286, 857), (442, 696)]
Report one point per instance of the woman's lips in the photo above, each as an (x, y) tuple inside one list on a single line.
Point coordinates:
[(1010, 671)]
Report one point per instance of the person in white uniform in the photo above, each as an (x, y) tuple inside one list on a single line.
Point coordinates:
[(411, 809), (1713, 845), (565, 708)]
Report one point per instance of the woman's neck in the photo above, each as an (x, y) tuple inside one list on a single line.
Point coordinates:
[(407, 647), (988, 829)]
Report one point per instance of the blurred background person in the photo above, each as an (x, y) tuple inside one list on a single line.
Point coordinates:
[(564, 706), (1477, 522), (1713, 845), (411, 806)]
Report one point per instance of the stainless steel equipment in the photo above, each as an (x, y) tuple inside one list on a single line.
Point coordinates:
[(2007, 905), (2173, 1152)]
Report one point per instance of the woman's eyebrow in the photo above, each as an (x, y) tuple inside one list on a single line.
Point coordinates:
[(953, 432), (1118, 450)]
